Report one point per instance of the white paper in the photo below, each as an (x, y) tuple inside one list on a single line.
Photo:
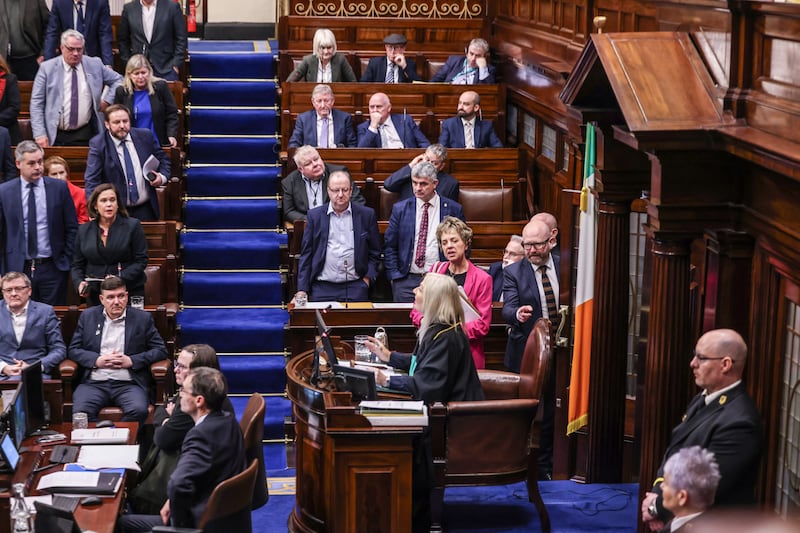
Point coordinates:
[(392, 305), (394, 405), (69, 479), (470, 313), (109, 456), (8, 396), (151, 165), (323, 305), (100, 436)]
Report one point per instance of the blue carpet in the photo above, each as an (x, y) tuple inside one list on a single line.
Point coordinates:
[(234, 288), (253, 372), (233, 65), (235, 330), (232, 214), (220, 250), (277, 409), (239, 150), (234, 93), (216, 181), (233, 121), (232, 46)]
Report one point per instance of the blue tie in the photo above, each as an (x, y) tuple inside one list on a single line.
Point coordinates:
[(130, 174), (79, 26), (33, 238)]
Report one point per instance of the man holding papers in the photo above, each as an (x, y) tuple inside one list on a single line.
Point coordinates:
[(114, 345), (212, 452)]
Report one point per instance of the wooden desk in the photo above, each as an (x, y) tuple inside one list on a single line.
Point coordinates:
[(347, 323), (351, 477), (100, 518)]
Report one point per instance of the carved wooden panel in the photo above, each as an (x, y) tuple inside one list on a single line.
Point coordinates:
[(390, 8)]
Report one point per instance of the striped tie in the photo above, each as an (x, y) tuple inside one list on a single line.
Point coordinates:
[(422, 243), (550, 297), (389, 73)]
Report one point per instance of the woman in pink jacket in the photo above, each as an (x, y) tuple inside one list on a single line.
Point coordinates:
[(455, 237)]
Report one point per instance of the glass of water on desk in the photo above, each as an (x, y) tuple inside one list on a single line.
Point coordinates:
[(363, 354)]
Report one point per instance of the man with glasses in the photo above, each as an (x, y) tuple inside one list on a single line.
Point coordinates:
[(394, 67), (513, 252), (67, 95), (29, 331), (323, 126), (114, 346), (341, 247), (722, 419), (307, 187), (436, 155), (530, 291)]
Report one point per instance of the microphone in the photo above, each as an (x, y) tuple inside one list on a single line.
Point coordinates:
[(403, 140), (346, 298)]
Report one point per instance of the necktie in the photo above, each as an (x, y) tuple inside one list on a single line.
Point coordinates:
[(130, 175), (390, 73), (696, 407), (422, 243), (33, 238), (384, 138), (323, 134), (73, 101), (469, 135), (550, 297), (79, 26)]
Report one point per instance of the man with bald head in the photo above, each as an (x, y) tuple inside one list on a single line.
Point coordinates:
[(552, 223), (387, 130), (466, 129), (722, 418), (530, 291)]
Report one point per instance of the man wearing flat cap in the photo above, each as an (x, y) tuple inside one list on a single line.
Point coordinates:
[(394, 67)]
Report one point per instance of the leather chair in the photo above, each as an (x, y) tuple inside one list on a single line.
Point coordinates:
[(493, 442), (228, 508), (252, 424)]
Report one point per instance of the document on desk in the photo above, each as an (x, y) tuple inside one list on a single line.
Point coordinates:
[(395, 413), (100, 436), (82, 482), (109, 456)]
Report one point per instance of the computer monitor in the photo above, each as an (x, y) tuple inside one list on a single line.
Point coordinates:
[(9, 452), (54, 520), (33, 398), (360, 383), (17, 418), (324, 334)]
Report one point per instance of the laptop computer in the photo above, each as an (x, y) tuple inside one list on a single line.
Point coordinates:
[(8, 453)]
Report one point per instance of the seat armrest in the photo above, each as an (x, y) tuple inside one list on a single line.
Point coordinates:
[(170, 529), (160, 369), (67, 369)]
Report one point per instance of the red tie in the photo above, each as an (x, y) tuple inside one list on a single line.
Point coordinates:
[(423, 237)]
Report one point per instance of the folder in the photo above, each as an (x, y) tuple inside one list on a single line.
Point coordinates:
[(81, 482)]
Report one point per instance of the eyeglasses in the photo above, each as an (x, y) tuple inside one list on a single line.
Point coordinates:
[(701, 357), (180, 366), (73, 49), (12, 290), (335, 192), (190, 393), (535, 245)]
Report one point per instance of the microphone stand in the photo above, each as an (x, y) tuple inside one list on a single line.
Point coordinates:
[(403, 140), (346, 298)]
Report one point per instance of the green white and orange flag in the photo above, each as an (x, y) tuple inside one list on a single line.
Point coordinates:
[(578, 415)]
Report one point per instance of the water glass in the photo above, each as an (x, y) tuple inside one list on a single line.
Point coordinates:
[(362, 352), (301, 300), (80, 421), (137, 302)]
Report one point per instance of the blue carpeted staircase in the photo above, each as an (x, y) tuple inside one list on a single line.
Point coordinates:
[(231, 289)]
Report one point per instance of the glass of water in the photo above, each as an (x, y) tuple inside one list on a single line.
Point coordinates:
[(137, 302), (362, 352)]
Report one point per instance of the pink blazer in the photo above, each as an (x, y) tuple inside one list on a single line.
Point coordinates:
[(478, 287)]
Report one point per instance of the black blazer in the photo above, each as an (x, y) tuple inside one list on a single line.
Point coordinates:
[(167, 47), (295, 201), (165, 110), (377, 66), (308, 68), (126, 248), (9, 108)]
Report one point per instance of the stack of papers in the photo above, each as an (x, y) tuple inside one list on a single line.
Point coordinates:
[(395, 413), (80, 481), (109, 456), (100, 436)]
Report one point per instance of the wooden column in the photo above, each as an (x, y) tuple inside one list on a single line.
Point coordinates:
[(728, 267), (668, 347), (609, 344)]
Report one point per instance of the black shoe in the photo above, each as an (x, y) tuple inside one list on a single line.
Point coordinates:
[(545, 475)]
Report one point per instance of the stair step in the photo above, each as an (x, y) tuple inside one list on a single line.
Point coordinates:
[(233, 65), (223, 46), (248, 373), (277, 408), (255, 93), (232, 288), (233, 121), (222, 250), (242, 150), (235, 330), (232, 214), (232, 181)]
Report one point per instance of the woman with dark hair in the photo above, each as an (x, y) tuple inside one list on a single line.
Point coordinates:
[(149, 100), (171, 426), (110, 244), (9, 101), (325, 64)]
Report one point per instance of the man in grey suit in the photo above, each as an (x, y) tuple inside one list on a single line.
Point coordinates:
[(307, 187), (157, 30), (29, 331), (72, 118)]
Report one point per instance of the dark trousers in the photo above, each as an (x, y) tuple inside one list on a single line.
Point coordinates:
[(137, 523), (545, 466), (403, 288), (352, 291), (143, 212), (48, 283), (91, 396), (24, 67), (79, 137)]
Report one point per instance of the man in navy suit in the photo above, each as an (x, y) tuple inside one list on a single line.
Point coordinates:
[(56, 118), (394, 67), (324, 126), (470, 70), (114, 345), (118, 155), (29, 331), (723, 419), (307, 186), (9, 171), (512, 253), (341, 247), (42, 204), (380, 132), (156, 29), (466, 130), (435, 154), (411, 247), (212, 452), (91, 18), (530, 291)]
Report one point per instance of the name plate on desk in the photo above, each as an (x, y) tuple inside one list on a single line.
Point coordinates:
[(100, 436)]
